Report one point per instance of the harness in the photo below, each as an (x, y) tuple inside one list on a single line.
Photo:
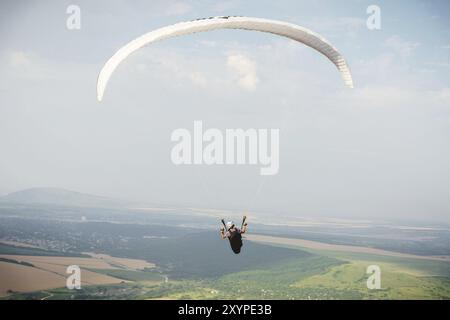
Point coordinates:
[(235, 239)]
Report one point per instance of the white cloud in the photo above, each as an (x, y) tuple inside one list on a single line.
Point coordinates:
[(175, 66), (342, 27), (350, 22), (245, 70), (19, 59), (438, 64), (340, 23), (400, 46), (198, 79), (443, 95), (208, 43), (224, 5), (25, 65), (178, 8)]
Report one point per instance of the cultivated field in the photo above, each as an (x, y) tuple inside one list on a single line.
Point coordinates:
[(19, 273), (123, 263), (335, 247), (19, 278)]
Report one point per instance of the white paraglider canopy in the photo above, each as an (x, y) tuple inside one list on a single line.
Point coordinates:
[(280, 28)]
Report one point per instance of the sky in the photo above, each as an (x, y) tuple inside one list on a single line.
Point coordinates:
[(378, 151)]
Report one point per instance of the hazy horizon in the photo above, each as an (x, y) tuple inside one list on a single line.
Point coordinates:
[(377, 151)]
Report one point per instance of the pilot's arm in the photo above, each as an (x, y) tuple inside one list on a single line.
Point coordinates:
[(244, 228), (222, 233)]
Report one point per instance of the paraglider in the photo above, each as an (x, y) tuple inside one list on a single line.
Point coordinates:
[(234, 234), (279, 28)]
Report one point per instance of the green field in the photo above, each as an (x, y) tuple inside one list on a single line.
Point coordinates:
[(25, 251), (398, 282), (198, 265), (131, 275), (319, 275), (325, 278)]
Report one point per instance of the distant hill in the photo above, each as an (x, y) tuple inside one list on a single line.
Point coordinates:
[(62, 197)]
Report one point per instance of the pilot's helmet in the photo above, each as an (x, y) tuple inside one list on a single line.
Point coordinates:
[(230, 224)]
